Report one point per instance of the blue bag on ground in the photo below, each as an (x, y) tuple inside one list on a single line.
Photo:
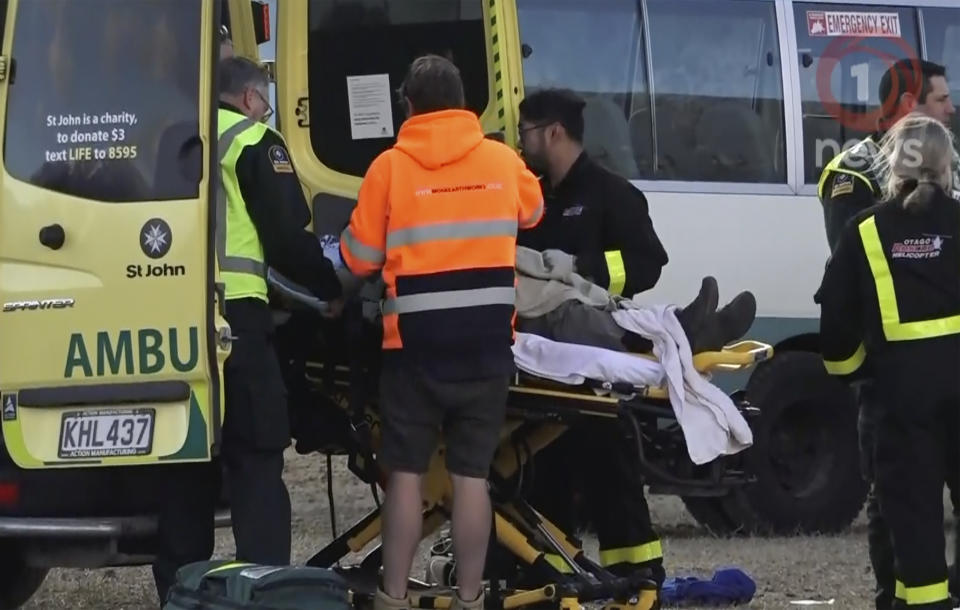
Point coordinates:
[(729, 586), (231, 585)]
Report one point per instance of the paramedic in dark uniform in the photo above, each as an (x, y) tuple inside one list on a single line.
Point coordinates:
[(890, 312), (592, 213), (264, 216), (848, 185), (602, 220)]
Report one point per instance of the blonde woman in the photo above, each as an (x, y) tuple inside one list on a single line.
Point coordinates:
[(890, 312)]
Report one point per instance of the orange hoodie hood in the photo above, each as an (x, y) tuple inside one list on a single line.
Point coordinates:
[(438, 138)]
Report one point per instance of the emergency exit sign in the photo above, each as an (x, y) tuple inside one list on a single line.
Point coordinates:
[(843, 23)]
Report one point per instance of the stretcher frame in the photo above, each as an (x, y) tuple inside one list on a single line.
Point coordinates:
[(518, 529)]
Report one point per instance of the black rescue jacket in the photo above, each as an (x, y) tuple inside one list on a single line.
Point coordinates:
[(602, 220), (890, 295)]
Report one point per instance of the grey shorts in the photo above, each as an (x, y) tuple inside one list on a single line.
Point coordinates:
[(416, 408)]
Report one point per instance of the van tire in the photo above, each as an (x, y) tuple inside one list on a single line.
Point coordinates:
[(805, 454), (18, 581)]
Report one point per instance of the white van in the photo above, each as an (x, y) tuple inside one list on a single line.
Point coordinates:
[(722, 111)]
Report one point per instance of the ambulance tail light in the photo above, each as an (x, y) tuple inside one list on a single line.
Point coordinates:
[(261, 20), (9, 493)]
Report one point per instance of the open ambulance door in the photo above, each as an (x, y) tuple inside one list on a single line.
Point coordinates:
[(110, 324), (248, 23), (339, 65)]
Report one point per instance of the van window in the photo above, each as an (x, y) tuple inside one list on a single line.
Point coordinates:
[(597, 51), (840, 76), (103, 101), (942, 30), (358, 55), (716, 112)]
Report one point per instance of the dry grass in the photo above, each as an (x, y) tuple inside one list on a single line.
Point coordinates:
[(818, 568)]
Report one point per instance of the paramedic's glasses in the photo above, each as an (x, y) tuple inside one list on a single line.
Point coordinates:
[(524, 130), (266, 116)]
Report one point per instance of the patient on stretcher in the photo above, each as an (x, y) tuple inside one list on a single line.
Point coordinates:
[(555, 303), (570, 330)]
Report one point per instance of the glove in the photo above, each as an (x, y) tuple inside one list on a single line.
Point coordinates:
[(331, 249), (559, 263)]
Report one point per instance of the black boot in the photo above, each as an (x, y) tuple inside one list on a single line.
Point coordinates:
[(693, 316), (727, 325)]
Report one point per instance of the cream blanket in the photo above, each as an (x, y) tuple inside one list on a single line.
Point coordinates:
[(711, 423)]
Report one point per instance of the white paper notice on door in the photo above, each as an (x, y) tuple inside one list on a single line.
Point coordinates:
[(371, 113)]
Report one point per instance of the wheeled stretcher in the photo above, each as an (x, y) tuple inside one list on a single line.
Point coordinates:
[(331, 369)]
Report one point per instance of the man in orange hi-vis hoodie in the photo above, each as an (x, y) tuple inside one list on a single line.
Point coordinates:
[(438, 216)]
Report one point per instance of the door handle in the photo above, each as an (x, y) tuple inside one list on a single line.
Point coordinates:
[(52, 236)]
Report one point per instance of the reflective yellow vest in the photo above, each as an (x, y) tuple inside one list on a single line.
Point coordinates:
[(239, 251)]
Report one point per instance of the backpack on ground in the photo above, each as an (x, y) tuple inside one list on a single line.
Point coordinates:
[(233, 585)]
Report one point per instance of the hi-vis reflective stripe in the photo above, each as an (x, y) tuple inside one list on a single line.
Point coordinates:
[(641, 553), (451, 230), (237, 264), (618, 273), (449, 300), (361, 250), (893, 328), (839, 170), (848, 366), (834, 166), (918, 596)]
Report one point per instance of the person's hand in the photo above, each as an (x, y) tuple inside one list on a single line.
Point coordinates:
[(334, 309), (559, 263)]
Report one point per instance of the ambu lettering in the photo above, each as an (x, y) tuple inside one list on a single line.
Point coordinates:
[(142, 352)]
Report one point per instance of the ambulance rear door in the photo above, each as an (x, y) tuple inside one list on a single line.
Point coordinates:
[(109, 324), (339, 65)]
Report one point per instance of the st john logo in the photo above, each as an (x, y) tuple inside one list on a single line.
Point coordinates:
[(156, 238)]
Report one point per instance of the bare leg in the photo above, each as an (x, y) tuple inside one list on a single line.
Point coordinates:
[(472, 515), (402, 527)]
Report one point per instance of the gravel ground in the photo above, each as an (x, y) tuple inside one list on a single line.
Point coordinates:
[(785, 569)]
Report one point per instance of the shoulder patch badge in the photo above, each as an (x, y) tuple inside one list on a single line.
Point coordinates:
[(279, 159), (842, 185)]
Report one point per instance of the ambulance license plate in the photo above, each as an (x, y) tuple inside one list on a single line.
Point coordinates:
[(95, 434)]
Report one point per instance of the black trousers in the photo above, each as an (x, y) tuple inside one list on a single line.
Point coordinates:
[(915, 454), (879, 542), (255, 433), (185, 527), (879, 539), (592, 474)]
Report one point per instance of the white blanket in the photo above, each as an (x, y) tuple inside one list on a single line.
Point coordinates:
[(712, 426), (573, 364)]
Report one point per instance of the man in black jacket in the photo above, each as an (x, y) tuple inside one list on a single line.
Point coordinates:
[(591, 213), (848, 184), (602, 221)]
